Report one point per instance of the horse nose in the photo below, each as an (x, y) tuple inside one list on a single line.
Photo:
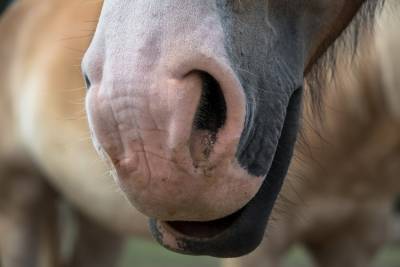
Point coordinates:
[(172, 136)]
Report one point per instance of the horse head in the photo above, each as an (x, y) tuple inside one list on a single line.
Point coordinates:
[(195, 105)]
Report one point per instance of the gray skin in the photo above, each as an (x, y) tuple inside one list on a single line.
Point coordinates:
[(269, 45)]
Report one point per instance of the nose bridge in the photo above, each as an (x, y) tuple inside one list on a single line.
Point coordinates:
[(163, 36), (192, 36)]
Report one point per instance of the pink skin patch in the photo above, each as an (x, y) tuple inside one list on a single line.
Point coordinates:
[(146, 89), (161, 164)]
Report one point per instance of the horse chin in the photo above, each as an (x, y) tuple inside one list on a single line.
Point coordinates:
[(241, 232)]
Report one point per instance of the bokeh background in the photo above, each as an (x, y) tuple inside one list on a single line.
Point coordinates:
[(144, 253)]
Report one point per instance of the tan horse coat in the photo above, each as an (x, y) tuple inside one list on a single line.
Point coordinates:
[(41, 104)]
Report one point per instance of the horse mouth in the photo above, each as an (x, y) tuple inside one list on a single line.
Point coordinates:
[(195, 237), (232, 236), (201, 230)]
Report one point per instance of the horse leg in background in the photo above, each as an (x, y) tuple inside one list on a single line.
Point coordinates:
[(95, 245), (355, 243), (28, 224)]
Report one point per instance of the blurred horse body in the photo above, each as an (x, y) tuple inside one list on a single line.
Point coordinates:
[(338, 197), (44, 134), (35, 82), (4, 4)]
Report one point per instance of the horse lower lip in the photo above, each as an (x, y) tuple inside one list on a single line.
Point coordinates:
[(202, 230)]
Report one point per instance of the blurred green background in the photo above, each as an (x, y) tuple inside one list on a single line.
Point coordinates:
[(144, 253)]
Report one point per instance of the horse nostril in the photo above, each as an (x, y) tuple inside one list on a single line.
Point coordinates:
[(210, 117), (87, 81), (211, 112)]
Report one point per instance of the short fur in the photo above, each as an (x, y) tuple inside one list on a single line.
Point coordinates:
[(323, 71)]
